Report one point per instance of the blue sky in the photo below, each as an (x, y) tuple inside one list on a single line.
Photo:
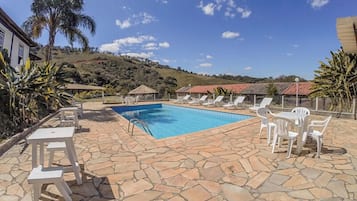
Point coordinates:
[(256, 38)]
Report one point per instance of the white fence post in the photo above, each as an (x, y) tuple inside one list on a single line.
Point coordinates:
[(282, 102), (317, 104), (255, 99)]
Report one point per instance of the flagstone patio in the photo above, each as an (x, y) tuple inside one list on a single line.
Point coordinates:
[(227, 163)]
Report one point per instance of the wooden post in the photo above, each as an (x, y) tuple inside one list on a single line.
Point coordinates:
[(255, 99), (317, 104)]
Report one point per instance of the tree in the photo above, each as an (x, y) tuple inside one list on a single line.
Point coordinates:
[(59, 16), (337, 80), (272, 90)]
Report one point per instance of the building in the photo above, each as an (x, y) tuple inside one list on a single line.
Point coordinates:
[(14, 40)]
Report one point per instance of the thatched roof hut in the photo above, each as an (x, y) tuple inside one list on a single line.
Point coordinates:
[(142, 90)]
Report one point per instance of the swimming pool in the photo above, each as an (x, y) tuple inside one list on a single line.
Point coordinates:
[(167, 120)]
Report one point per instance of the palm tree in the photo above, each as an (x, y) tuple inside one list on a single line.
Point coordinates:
[(337, 80), (63, 17)]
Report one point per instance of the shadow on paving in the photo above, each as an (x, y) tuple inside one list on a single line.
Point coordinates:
[(92, 188), (99, 115)]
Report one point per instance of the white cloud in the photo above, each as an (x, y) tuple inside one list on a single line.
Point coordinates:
[(247, 68), (166, 60), (164, 45), (318, 3), (150, 46), (118, 44), (228, 7), (123, 24), (289, 54), (207, 9), (230, 34), (163, 1), (136, 19), (245, 13), (144, 55), (109, 47), (209, 56), (205, 65), (295, 45), (146, 18)]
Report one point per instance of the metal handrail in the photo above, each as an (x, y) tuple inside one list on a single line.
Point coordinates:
[(142, 123)]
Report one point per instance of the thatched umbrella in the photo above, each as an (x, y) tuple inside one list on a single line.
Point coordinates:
[(143, 90)]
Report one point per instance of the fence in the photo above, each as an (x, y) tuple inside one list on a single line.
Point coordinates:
[(286, 103)]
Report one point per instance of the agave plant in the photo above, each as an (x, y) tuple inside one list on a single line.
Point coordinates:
[(31, 92), (337, 80)]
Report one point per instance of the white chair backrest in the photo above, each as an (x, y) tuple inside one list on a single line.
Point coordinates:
[(266, 101), (239, 100), (263, 114), (186, 97), (203, 98), (325, 122), (218, 99), (282, 126), (301, 111)]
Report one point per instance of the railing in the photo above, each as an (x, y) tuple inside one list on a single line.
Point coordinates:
[(138, 121)]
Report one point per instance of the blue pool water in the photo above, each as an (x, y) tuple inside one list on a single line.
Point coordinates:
[(167, 120)]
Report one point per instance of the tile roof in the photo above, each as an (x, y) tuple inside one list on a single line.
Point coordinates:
[(261, 88), (304, 89), (183, 90)]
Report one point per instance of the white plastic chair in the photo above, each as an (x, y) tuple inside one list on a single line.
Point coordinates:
[(317, 135), (281, 131), (263, 114), (303, 111)]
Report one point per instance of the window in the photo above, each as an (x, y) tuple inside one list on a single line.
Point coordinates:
[(2, 38), (21, 55)]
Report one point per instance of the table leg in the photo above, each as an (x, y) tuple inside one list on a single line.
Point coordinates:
[(299, 140), (34, 155), (73, 159), (42, 157)]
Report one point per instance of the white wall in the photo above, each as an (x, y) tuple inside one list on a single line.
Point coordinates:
[(10, 38)]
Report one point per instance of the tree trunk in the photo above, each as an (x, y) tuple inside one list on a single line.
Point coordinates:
[(51, 42)]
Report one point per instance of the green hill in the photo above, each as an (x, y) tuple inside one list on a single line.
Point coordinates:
[(122, 73)]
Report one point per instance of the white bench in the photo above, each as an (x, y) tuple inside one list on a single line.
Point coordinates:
[(40, 176), (55, 146)]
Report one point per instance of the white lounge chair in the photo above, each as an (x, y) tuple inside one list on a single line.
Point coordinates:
[(198, 101), (184, 99), (265, 102), (238, 101), (216, 102)]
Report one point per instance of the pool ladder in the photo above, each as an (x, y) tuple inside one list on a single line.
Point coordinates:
[(142, 123)]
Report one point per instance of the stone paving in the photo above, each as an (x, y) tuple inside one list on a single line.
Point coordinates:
[(227, 163)]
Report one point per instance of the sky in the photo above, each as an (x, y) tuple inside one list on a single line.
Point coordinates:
[(258, 38)]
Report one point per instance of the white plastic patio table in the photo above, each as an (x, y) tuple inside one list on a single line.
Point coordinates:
[(300, 125), (75, 111), (59, 134)]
